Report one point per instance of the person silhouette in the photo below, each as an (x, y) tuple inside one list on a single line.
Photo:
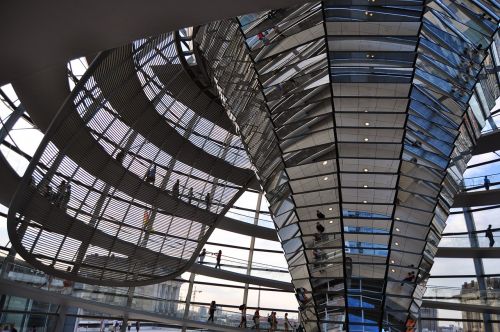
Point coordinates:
[(486, 183), (489, 235)]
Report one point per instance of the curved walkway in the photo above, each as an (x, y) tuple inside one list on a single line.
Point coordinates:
[(10, 181), (487, 142), (461, 306), (190, 94), (61, 223), (116, 76), (101, 165), (477, 198), (467, 252), (16, 289)]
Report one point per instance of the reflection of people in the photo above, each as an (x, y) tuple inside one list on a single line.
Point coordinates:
[(301, 295), (317, 253), (317, 236), (271, 14), (262, 38), (348, 271), (489, 235), (486, 183), (409, 278), (320, 228)]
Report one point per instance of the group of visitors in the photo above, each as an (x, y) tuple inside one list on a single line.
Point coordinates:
[(117, 325), (61, 196), (151, 177), (272, 319), (201, 257), (8, 328)]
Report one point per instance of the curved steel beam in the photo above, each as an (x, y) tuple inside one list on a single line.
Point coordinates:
[(116, 76)]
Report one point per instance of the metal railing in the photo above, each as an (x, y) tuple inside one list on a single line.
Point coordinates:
[(463, 295), (464, 241), (478, 183), (115, 296)]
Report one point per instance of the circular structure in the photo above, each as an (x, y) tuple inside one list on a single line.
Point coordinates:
[(128, 182)]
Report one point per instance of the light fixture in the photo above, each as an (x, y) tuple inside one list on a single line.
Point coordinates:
[(325, 162), (368, 55), (366, 111), (365, 202), (331, 221), (365, 170), (397, 218), (397, 229), (396, 243), (392, 261), (372, 56), (366, 139), (330, 209), (393, 271), (371, 14), (365, 186), (367, 123), (325, 178)]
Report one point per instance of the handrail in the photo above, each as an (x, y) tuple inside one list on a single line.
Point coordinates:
[(469, 233), (120, 296)]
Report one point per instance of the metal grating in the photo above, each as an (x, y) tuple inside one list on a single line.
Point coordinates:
[(128, 182)]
